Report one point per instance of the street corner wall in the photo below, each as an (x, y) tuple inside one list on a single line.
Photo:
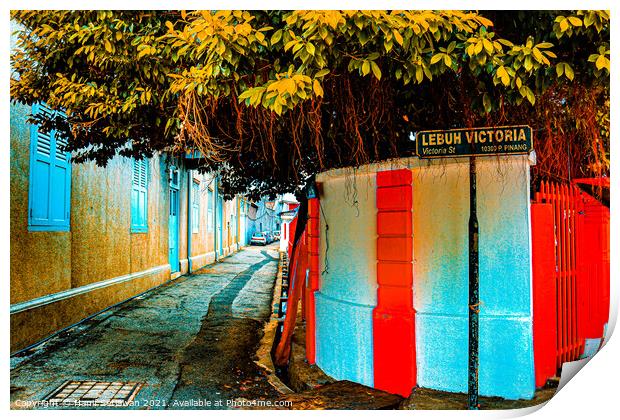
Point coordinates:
[(347, 295), (440, 230)]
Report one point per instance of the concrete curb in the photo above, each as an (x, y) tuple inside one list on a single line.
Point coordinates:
[(263, 354)]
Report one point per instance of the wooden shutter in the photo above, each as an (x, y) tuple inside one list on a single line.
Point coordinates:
[(139, 196), (209, 210), (50, 179), (195, 207)]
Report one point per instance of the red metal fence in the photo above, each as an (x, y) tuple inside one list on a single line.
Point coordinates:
[(580, 271)]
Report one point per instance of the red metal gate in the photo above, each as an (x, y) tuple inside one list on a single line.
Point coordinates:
[(580, 272)]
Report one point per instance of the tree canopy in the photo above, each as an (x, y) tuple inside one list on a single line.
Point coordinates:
[(271, 97)]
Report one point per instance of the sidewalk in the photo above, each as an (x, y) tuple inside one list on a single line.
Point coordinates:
[(313, 385)]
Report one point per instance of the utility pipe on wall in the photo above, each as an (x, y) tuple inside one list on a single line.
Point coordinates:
[(189, 220)]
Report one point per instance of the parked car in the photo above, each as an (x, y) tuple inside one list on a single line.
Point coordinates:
[(259, 238), (268, 236), (276, 235)]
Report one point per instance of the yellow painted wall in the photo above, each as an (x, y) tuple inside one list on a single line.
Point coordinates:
[(202, 251), (40, 261), (100, 245)]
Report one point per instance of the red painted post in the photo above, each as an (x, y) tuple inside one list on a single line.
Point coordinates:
[(394, 317), (313, 279), (544, 292)]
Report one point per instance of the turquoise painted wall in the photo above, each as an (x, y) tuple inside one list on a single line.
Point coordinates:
[(347, 293), (440, 220)]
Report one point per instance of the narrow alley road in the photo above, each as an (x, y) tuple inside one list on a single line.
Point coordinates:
[(189, 344)]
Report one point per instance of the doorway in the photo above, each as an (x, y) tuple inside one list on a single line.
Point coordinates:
[(173, 223)]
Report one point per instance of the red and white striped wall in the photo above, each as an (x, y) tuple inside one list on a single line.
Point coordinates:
[(390, 311), (386, 300)]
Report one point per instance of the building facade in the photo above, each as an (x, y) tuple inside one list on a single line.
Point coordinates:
[(263, 217), (287, 213), (84, 237)]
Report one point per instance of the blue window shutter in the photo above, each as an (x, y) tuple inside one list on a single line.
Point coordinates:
[(195, 207), (209, 210), (139, 196), (50, 179)]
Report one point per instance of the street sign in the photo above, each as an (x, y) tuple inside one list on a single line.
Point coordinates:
[(472, 142), (510, 140)]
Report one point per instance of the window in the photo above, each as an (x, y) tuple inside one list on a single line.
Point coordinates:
[(139, 196), (49, 193), (233, 224), (210, 211), (195, 207)]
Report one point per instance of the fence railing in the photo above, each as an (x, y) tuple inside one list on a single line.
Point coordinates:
[(581, 265)]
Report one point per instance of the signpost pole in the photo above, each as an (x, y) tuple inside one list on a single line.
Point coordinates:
[(472, 142), (474, 295)]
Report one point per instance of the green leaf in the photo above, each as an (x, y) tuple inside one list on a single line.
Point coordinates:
[(551, 54), (478, 48), (316, 87), (488, 45), (398, 37), (568, 71), (537, 55), (436, 58), (419, 74), (321, 73), (503, 75), (277, 36), (277, 107), (245, 94), (602, 62), (365, 68), (290, 44), (375, 70), (310, 48)]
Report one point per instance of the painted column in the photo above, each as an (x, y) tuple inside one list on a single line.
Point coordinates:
[(394, 316), (313, 278)]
